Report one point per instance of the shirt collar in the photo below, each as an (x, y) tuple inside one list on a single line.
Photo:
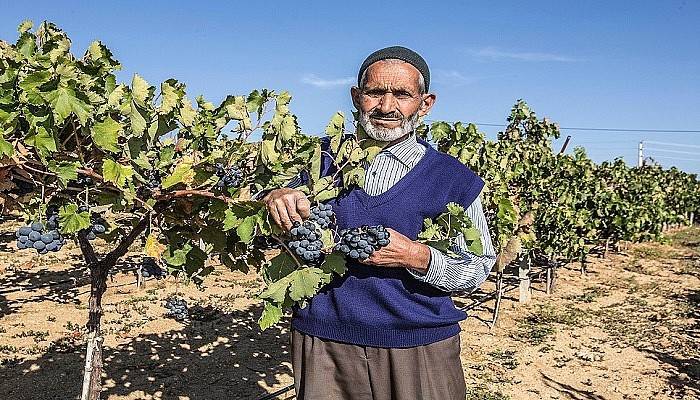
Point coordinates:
[(407, 150)]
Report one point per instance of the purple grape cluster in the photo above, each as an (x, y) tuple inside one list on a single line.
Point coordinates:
[(38, 237), (83, 181), (97, 224), (152, 177), (229, 176), (360, 243), (149, 268), (176, 309), (322, 214), (306, 241)]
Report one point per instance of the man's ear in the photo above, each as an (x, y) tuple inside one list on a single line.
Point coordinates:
[(426, 104), (355, 95)]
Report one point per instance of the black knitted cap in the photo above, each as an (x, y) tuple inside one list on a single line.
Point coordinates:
[(400, 53)]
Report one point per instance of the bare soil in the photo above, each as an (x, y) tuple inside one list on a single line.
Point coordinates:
[(628, 329)]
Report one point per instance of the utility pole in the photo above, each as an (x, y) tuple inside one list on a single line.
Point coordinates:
[(640, 155)]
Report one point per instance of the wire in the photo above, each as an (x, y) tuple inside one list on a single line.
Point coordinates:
[(607, 129), (673, 144), (676, 158), (672, 151)]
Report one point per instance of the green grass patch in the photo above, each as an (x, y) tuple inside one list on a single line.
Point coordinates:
[(482, 393)]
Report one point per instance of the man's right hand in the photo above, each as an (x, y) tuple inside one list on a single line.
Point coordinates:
[(286, 206)]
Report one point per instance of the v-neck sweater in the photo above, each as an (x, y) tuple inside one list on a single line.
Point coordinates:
[(387, 307)]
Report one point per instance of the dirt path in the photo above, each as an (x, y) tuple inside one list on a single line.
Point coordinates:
[(628, 330)]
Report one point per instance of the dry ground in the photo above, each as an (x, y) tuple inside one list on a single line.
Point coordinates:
[(629, 329)]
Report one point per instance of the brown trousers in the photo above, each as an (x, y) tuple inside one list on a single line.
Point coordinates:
[(327, 370)]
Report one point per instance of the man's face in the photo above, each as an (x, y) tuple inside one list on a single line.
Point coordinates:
[(390, 101)]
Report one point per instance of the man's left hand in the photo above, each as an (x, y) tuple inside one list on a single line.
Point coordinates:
[(401, 252)]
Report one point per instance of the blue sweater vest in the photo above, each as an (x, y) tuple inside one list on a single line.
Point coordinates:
[(387, 307)]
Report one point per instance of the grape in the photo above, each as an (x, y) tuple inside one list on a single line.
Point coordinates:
[(306, 241), (83, 181), (321, 214), (42, 238), (360, 243), (229, 176), (149, 268), (176, 309), (152, 181), (97, 227)]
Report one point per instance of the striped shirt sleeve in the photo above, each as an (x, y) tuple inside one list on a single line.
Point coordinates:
[(468, 271)]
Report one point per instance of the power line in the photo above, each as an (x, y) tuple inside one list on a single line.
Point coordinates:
[(609, 129), (672, 151), (672, 144), (675, 158)]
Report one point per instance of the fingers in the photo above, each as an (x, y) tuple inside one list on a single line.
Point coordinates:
[(284, 219), (303, 207), (275, 214), (290, 204)]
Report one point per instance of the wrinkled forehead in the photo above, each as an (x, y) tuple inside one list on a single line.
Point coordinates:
[(392, 73)]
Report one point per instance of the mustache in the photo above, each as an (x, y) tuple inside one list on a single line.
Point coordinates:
[(393, 115)]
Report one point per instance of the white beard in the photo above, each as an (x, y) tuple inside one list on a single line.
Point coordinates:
[(407, 126)]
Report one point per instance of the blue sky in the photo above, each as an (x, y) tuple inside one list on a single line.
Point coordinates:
[(616, 64)]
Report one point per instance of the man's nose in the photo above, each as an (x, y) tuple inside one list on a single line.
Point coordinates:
[(387, 103)]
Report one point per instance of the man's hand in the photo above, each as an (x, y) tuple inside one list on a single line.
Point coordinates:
[(286, 206), (401, 252)]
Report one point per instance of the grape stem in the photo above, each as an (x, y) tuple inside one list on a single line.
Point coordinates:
[(289, 251)]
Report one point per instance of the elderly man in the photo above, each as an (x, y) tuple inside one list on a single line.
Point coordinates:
[(388, 328)]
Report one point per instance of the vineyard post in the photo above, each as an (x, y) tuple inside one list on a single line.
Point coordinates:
[(640, 154), (499, 296), (692, 215), (607, 247), (524, 276), (548, 288)]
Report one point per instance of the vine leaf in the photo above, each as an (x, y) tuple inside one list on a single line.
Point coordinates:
[(154, 248), (183, 173), (246, 228), (276, 291), (280, 266), (334, 262), (305, 282), (6, 148), (64, 102), (116, 173), (65, 171), (71, 220), (271, 315), (105, 134), (42, 140)]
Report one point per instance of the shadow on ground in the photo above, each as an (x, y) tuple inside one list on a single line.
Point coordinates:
[(570, 391), (217, 356), (685, 361), (41, 284)]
